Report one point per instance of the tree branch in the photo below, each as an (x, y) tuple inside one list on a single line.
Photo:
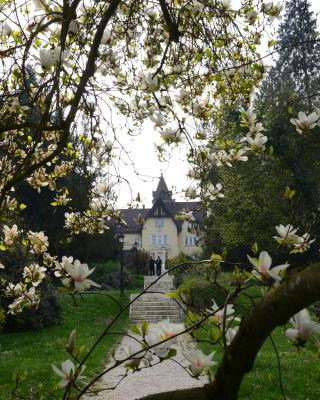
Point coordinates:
[(174, 33)]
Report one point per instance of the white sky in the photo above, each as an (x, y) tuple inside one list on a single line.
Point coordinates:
[(142, 151)]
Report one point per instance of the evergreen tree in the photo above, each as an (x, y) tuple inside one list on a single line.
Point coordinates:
[(292, 85)]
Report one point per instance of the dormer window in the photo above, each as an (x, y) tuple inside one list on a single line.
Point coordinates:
[(159, 222)]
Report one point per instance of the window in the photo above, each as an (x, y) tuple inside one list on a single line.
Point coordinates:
[(190, 241), (154, 239), (159, 222), (159, 240)]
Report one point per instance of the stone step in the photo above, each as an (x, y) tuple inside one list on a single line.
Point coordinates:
[(152, 297), (158, 302), (171, 320), (156, 307), (150, 312), (147, 307), (166, 278)]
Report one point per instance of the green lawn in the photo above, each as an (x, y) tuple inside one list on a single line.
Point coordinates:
[(300, 370), (33, 352)]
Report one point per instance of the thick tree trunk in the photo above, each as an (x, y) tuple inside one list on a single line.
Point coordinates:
[(298, 291)]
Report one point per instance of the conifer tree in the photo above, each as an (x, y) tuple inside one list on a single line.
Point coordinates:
[(292, 85)]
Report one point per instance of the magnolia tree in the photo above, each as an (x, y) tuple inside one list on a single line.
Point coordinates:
[(77, 76)]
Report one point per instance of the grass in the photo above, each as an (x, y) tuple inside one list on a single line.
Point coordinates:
[(32, 353), (300, 368)]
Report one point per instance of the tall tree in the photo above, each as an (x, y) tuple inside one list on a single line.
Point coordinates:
[(292, 85)]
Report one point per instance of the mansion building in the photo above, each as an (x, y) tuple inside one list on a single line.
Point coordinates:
[(157, 230)]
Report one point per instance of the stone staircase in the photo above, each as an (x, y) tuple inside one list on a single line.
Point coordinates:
[(156, 307)]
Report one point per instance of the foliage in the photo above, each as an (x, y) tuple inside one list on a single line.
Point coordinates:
[(108, 276), (199, 292), (178, 273), (291, 85), (254, 203), (263, 382), (19, 354), (48, 313), (137, 261)]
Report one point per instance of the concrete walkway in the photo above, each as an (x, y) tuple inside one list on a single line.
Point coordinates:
[(163, 377)]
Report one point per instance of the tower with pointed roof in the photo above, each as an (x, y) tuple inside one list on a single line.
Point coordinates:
[(157, 230), (162, 192)]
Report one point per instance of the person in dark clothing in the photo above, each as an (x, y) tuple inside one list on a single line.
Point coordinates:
[(159, 265), (151, 266)]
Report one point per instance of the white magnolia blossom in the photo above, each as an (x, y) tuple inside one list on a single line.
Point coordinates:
[(171, 135), (106, 36), (288, 236), (262, 267), (152, 12), (157, 119), (196, 7), (46, 58), (68, 373), (303, 243), (148, 82), (305, 122), (28, 299), (199, 362), (14, 290), (62, 199), (238, 155), (6, 29), (162, 349), (38, 241), (77, 274), (200, 106), (256, 128), (10, 234), (40, 5), (257, 142), (61, 267), (248, 119), (227, 4), (230, 334), (192, 192), (181, 95), (303, 327), (102, 188), (169, 330), (60, 56), (222, 157), (219, 314), (214, 191), (135, 347), (34, 273), (1, 265), (272, 9), (251, 15), (49, 58), (286, 232)]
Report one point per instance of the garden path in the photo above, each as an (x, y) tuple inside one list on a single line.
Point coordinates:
[(163, 377)]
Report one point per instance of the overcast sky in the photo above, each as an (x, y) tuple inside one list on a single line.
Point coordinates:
[(143, 152)]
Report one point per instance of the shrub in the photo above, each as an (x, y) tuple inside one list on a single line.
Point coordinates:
[(49, 312), (107, 275), (197, 282)]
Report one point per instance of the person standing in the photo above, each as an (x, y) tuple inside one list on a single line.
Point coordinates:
[(151, 266), (159, 265)]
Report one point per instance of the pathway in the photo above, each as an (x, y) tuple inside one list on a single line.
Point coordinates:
[(163, 377)]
